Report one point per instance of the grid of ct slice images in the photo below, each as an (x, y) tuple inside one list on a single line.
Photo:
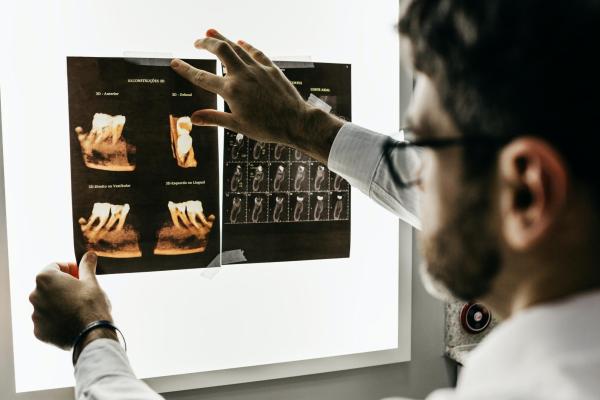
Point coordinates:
[(270, 183)]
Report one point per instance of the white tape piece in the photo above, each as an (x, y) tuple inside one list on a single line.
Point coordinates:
[(227, 257), (291, 62), (210, 273), (317, 102), (148, 58), (233, 257)]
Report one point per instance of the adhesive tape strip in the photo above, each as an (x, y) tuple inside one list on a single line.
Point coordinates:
[(232, 257), (317, 102), (291, 64), (210, 273), (227, 257), (148, 58)]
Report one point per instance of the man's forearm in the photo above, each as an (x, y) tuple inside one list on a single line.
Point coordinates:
[(317, 134)]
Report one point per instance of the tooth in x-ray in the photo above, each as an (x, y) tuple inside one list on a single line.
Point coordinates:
[(337, 183), (258, 209), (278, 152), (299, 178), (236, 179), (259, 175), (258, 148), (237, 146), (337, 209), (299, 208), (278, 208), (279, 177), (236, 207), (318, 208), (320, 177)]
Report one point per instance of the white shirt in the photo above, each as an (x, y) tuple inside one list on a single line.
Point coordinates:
[(550, 351)]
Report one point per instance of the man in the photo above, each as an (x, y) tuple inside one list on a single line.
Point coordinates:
[(508, 188)]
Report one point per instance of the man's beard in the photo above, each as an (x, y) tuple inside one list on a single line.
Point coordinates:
[(462, 258)]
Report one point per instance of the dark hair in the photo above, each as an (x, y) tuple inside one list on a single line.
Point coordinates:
[(515, 67)]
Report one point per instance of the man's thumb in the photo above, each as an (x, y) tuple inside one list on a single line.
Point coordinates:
[(87, 266)]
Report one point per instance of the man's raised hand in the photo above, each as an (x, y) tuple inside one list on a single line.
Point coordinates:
[(264, 104)]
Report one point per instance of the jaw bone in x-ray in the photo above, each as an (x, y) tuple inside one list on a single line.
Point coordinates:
[(110, 236), (104, 147), (187, 231)]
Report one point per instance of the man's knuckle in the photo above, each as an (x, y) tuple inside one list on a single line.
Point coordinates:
[(89, 299), (221, 47), (199, 76), (233, 89), (33, 297), (36, 332), (41, 279)]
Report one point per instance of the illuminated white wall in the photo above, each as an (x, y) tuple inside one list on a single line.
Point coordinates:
[(181, 322)]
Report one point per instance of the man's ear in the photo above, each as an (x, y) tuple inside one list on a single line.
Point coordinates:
[(533, 190)]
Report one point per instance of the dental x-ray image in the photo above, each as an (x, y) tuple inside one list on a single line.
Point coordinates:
[(144, 180), (279, 204)]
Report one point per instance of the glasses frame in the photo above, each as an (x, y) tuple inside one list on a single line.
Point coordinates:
[(435, 144)]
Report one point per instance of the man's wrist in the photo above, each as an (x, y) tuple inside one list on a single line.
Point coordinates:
[(317, 133), (98, 333)]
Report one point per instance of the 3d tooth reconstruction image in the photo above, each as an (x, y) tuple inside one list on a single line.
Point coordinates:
[(145, 187), (103, 146), (107, 233), (186, 231), (181, 141)]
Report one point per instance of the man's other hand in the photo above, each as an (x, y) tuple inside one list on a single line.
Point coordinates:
[(63, 305), (264, 104)]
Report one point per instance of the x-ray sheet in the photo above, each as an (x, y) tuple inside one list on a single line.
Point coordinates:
[(278, 203), (145, 182)]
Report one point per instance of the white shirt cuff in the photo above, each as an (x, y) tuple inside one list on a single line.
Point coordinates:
[(355, 155), (100, 358)]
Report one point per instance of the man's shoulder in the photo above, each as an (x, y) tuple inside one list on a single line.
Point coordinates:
[(552, 349)]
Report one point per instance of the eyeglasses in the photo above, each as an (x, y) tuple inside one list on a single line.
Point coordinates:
[(405, 166)]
